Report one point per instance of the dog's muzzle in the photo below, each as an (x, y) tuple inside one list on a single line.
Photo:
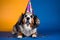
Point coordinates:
[(27, 22)]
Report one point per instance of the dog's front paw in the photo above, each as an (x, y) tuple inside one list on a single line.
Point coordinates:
[(34, 35), (19, 36)]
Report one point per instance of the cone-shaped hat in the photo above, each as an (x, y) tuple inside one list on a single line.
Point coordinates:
[(29, 7)]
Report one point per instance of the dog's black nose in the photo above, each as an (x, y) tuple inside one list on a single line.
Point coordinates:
[(28, 18)]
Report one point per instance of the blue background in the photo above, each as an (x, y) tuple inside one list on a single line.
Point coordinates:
[(48, 11)]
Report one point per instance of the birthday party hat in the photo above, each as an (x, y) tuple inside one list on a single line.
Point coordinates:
[(29, 7)]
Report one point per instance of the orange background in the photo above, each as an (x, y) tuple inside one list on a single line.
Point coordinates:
[(10, 12)]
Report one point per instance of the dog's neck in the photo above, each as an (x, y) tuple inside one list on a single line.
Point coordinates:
[(27, 26)]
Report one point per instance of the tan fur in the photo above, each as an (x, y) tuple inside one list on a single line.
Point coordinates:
[(34, 33), (32, 22), (20, 34), (37, 21), (23, 21)]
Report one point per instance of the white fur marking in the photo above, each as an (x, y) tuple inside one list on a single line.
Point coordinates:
[(34, 35), (27, 30), (19, 36)]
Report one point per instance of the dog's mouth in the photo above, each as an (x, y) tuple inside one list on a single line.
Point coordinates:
[(27, 22)]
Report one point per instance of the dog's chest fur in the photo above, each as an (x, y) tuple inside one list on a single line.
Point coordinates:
[(27, 30)]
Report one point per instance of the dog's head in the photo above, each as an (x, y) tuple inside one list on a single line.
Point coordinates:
[(29, 19)]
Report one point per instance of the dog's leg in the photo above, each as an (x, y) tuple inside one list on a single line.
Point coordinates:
[(14, 31), (34, 35), (20, 35)]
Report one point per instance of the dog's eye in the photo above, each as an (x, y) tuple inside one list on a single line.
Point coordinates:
[(31, 16), (25, 15)]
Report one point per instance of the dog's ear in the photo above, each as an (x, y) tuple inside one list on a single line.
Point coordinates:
[(36, 20), (20, 20)]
